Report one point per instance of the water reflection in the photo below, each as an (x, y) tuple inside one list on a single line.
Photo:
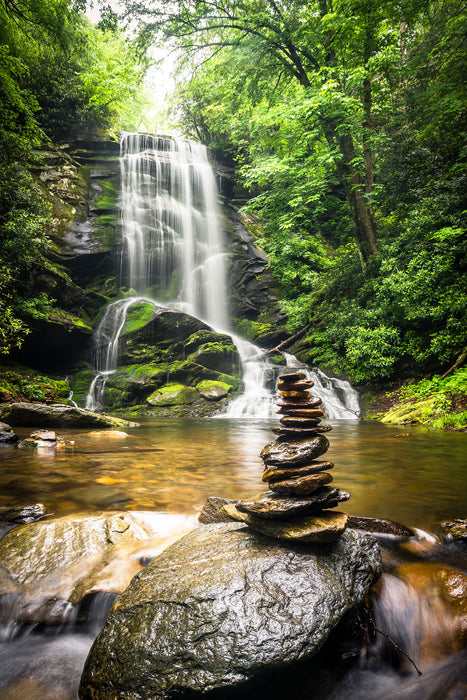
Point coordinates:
[(411, 475)]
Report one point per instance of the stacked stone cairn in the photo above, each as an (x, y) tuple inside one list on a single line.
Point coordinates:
[(297, 505)]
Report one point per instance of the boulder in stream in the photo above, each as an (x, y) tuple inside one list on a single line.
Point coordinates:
[(7, 435), (48, 567), (222, 605), (57, 416)]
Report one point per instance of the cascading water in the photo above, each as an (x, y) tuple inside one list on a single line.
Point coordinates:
[(172, 242), (173, 245), (173, 251), (106, 340), (260, 379)]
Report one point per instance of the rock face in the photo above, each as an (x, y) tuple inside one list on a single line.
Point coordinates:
[(56, 416), (221, 605), (170, 363)]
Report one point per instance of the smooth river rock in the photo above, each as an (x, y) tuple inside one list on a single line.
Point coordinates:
[(276, 473), (40, 415), (294, 454), (275, 506), (301, 485), (222, 605), (322, 527), (49, 566)]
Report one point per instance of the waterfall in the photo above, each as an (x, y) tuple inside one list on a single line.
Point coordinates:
[(340, 399), (172, 251), (172, 241), (106, 337)]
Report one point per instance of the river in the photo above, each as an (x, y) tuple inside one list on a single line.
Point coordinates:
[(407, 474)]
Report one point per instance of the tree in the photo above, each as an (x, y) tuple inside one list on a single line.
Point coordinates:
[(330, 49)]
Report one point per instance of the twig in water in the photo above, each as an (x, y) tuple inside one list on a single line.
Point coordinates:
[(396, 646)]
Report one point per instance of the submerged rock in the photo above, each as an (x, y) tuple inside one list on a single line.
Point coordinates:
[(456, 530), (379, 526), (57, 416), (222, 605), (23, 514), (6, 436)]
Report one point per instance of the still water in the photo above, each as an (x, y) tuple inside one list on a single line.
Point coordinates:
[(408, 474)]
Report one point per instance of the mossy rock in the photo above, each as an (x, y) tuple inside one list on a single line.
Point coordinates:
[(411, 412), (213, 391), (79, 384), (203, 337), (269, 336), (138, 316), (107, 201), (151, 332), (19, 383), (191, 373), (277, 359), (139, 377), (220, 356), (56, 416), (173, 395)]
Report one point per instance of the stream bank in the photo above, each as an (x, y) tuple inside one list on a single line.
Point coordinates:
[(437, 403)]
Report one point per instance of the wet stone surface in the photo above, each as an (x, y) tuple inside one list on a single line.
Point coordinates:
[(220, 606)]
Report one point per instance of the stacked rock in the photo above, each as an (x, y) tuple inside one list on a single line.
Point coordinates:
[(295, 507)]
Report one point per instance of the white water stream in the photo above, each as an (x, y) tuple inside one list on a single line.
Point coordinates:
[(173, 250)]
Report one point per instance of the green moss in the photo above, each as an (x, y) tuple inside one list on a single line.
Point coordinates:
[(108, 199), (213, 390), (436, 402), (79, 384), (277, 359), (138, 316), (19, 383), (220, 356), (173, 395), (201, 338), (67, 319)]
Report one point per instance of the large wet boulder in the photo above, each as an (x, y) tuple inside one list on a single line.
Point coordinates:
[(40, 415), (222, 605), (48, 567)]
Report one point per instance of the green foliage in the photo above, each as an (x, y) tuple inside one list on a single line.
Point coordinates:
[(373, 348), (437, 402), (453, 384), (58, 75), (23, 384), (322, 109)]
